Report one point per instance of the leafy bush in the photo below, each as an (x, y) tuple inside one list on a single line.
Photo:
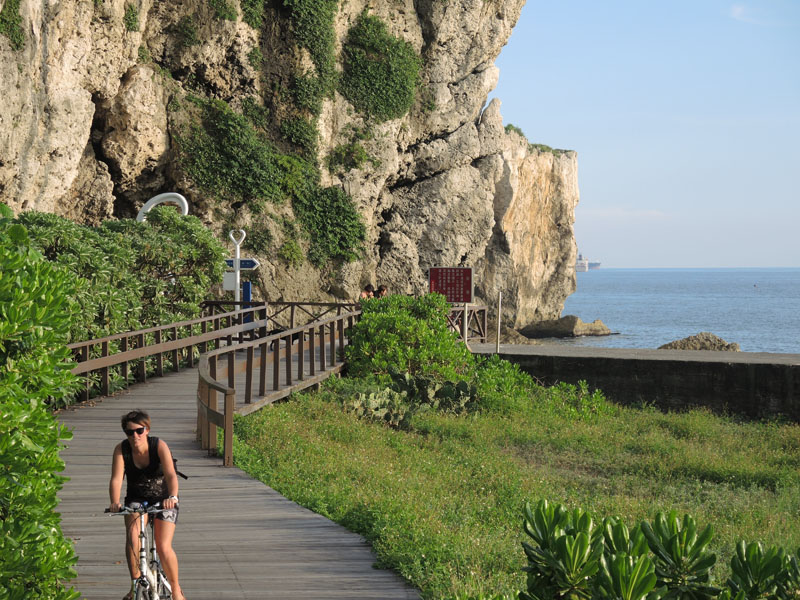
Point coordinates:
[(35, 310), (333, 223), (407, 335), (131, 17), (312, 25), (131, 275), (229, 159), (346, 157), (255, 57), (381, 72), (510, 127), (667, 559), (257, 114), (224, 10), (292, 253), (502, 387), (308, 92), (11, 24), (252, 12), (187, 32), (301, 132)]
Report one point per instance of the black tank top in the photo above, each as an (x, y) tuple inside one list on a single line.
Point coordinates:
[(144, 484)]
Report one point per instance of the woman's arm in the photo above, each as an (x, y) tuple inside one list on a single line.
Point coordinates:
[(117, 475), (170, 477)]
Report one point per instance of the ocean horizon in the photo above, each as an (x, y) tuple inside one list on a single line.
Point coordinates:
[(758, 308)]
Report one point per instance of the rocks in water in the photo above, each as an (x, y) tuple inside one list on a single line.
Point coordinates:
[(507, 335), (567, 326), (702, 341)]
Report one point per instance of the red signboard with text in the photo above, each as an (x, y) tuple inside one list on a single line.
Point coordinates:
[(454, 283)]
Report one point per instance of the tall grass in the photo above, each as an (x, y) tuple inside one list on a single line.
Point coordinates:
[(441, 503)]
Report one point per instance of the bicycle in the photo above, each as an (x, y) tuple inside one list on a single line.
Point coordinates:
[(152, 583)]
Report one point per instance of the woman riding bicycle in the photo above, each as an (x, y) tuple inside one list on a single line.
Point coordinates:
[(147, 464)]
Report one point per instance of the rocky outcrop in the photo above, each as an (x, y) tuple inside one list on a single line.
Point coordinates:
[(92, 103), (567, 326), (702, 341)]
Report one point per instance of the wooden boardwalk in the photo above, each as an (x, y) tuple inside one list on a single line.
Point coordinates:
[(236, 537)]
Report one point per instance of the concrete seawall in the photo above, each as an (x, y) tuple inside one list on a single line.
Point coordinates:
[(747, 383)]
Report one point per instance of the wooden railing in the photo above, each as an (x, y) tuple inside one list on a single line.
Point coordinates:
[(95, 358), (311, 353)]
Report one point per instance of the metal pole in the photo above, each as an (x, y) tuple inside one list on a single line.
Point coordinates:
[(237, 242), (499, 311)]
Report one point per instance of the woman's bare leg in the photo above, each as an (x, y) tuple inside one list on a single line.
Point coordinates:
[(164, 534), (132, 542)]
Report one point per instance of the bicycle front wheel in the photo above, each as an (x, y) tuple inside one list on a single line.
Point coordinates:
[(141, 593), (164, 589)]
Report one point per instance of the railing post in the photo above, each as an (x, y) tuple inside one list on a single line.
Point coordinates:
[(203, 330), (288, 357), (124, 367), (217, 342), (262, 369), (322, 362), (104, 370), (301, 355), (211, 428), (159, 356), (143, 362), (312, 352), (276, 364), (176, 361), (333, 344), (340, 327), (291, 316), (248, 391), (231, 369), (228, 431)]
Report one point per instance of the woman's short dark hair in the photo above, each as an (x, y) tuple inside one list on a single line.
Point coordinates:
[(369, 288), (136, 416)]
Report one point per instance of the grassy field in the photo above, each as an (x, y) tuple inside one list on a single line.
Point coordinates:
[(441, 502)]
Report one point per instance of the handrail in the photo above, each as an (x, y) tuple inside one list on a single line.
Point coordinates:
[(98, 356), (325, 359)]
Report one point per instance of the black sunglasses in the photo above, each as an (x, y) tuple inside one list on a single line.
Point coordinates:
[(137, 431)]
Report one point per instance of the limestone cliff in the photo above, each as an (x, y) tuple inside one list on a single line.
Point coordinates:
[(96, 93)]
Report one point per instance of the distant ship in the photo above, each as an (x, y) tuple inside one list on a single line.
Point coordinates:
[(582, 264)]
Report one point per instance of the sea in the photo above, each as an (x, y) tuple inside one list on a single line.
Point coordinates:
[(645, 308)]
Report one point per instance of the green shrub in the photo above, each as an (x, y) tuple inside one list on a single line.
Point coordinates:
[(35, 312), (381, 72), (346, 157), (301, 132), (509, 128), (309, 92), (230, 160), (544, 148), (255, 57), (292, 253), (312, 25), (131, 275), (131, 17), (224, 10), (11, 24), (407, 335), (257, 114), (144, 54), (252, 12), (502, 387), (187, 32)]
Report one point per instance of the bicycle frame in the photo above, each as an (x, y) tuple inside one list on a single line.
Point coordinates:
[(152, 583)]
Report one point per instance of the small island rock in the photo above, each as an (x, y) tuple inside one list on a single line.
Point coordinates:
[(702, 341), (566, 326)]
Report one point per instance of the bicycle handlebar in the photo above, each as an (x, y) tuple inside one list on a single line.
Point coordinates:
[(146, 509)]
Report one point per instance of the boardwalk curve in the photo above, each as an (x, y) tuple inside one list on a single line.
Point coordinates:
[(236, 537)]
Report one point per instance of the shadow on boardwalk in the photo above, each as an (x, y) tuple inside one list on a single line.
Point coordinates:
[(236, 537)]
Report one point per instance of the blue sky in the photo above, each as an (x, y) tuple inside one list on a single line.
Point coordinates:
[(686, 119)]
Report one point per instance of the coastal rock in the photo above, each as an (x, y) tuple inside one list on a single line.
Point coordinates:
[(507, 335), (702, 341), (93, 105), (567, 326)]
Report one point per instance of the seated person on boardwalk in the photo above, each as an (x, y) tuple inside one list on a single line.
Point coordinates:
[(147, 463)]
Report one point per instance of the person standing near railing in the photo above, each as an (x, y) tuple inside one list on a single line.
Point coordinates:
[(148, 465)]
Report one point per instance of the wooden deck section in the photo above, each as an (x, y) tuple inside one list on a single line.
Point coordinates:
[(236, 537)]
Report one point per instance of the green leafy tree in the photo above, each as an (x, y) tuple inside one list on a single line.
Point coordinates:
[(36, 306)]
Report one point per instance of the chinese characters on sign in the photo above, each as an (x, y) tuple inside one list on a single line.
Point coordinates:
[(454, 283)]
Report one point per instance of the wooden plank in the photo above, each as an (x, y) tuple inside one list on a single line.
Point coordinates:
[(236, 537)]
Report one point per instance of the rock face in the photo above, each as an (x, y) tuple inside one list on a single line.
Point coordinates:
[(702, 341), (91, 102), (567, 326)]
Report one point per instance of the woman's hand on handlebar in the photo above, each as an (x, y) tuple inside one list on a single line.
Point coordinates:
[(115, 507), (171, 502)]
